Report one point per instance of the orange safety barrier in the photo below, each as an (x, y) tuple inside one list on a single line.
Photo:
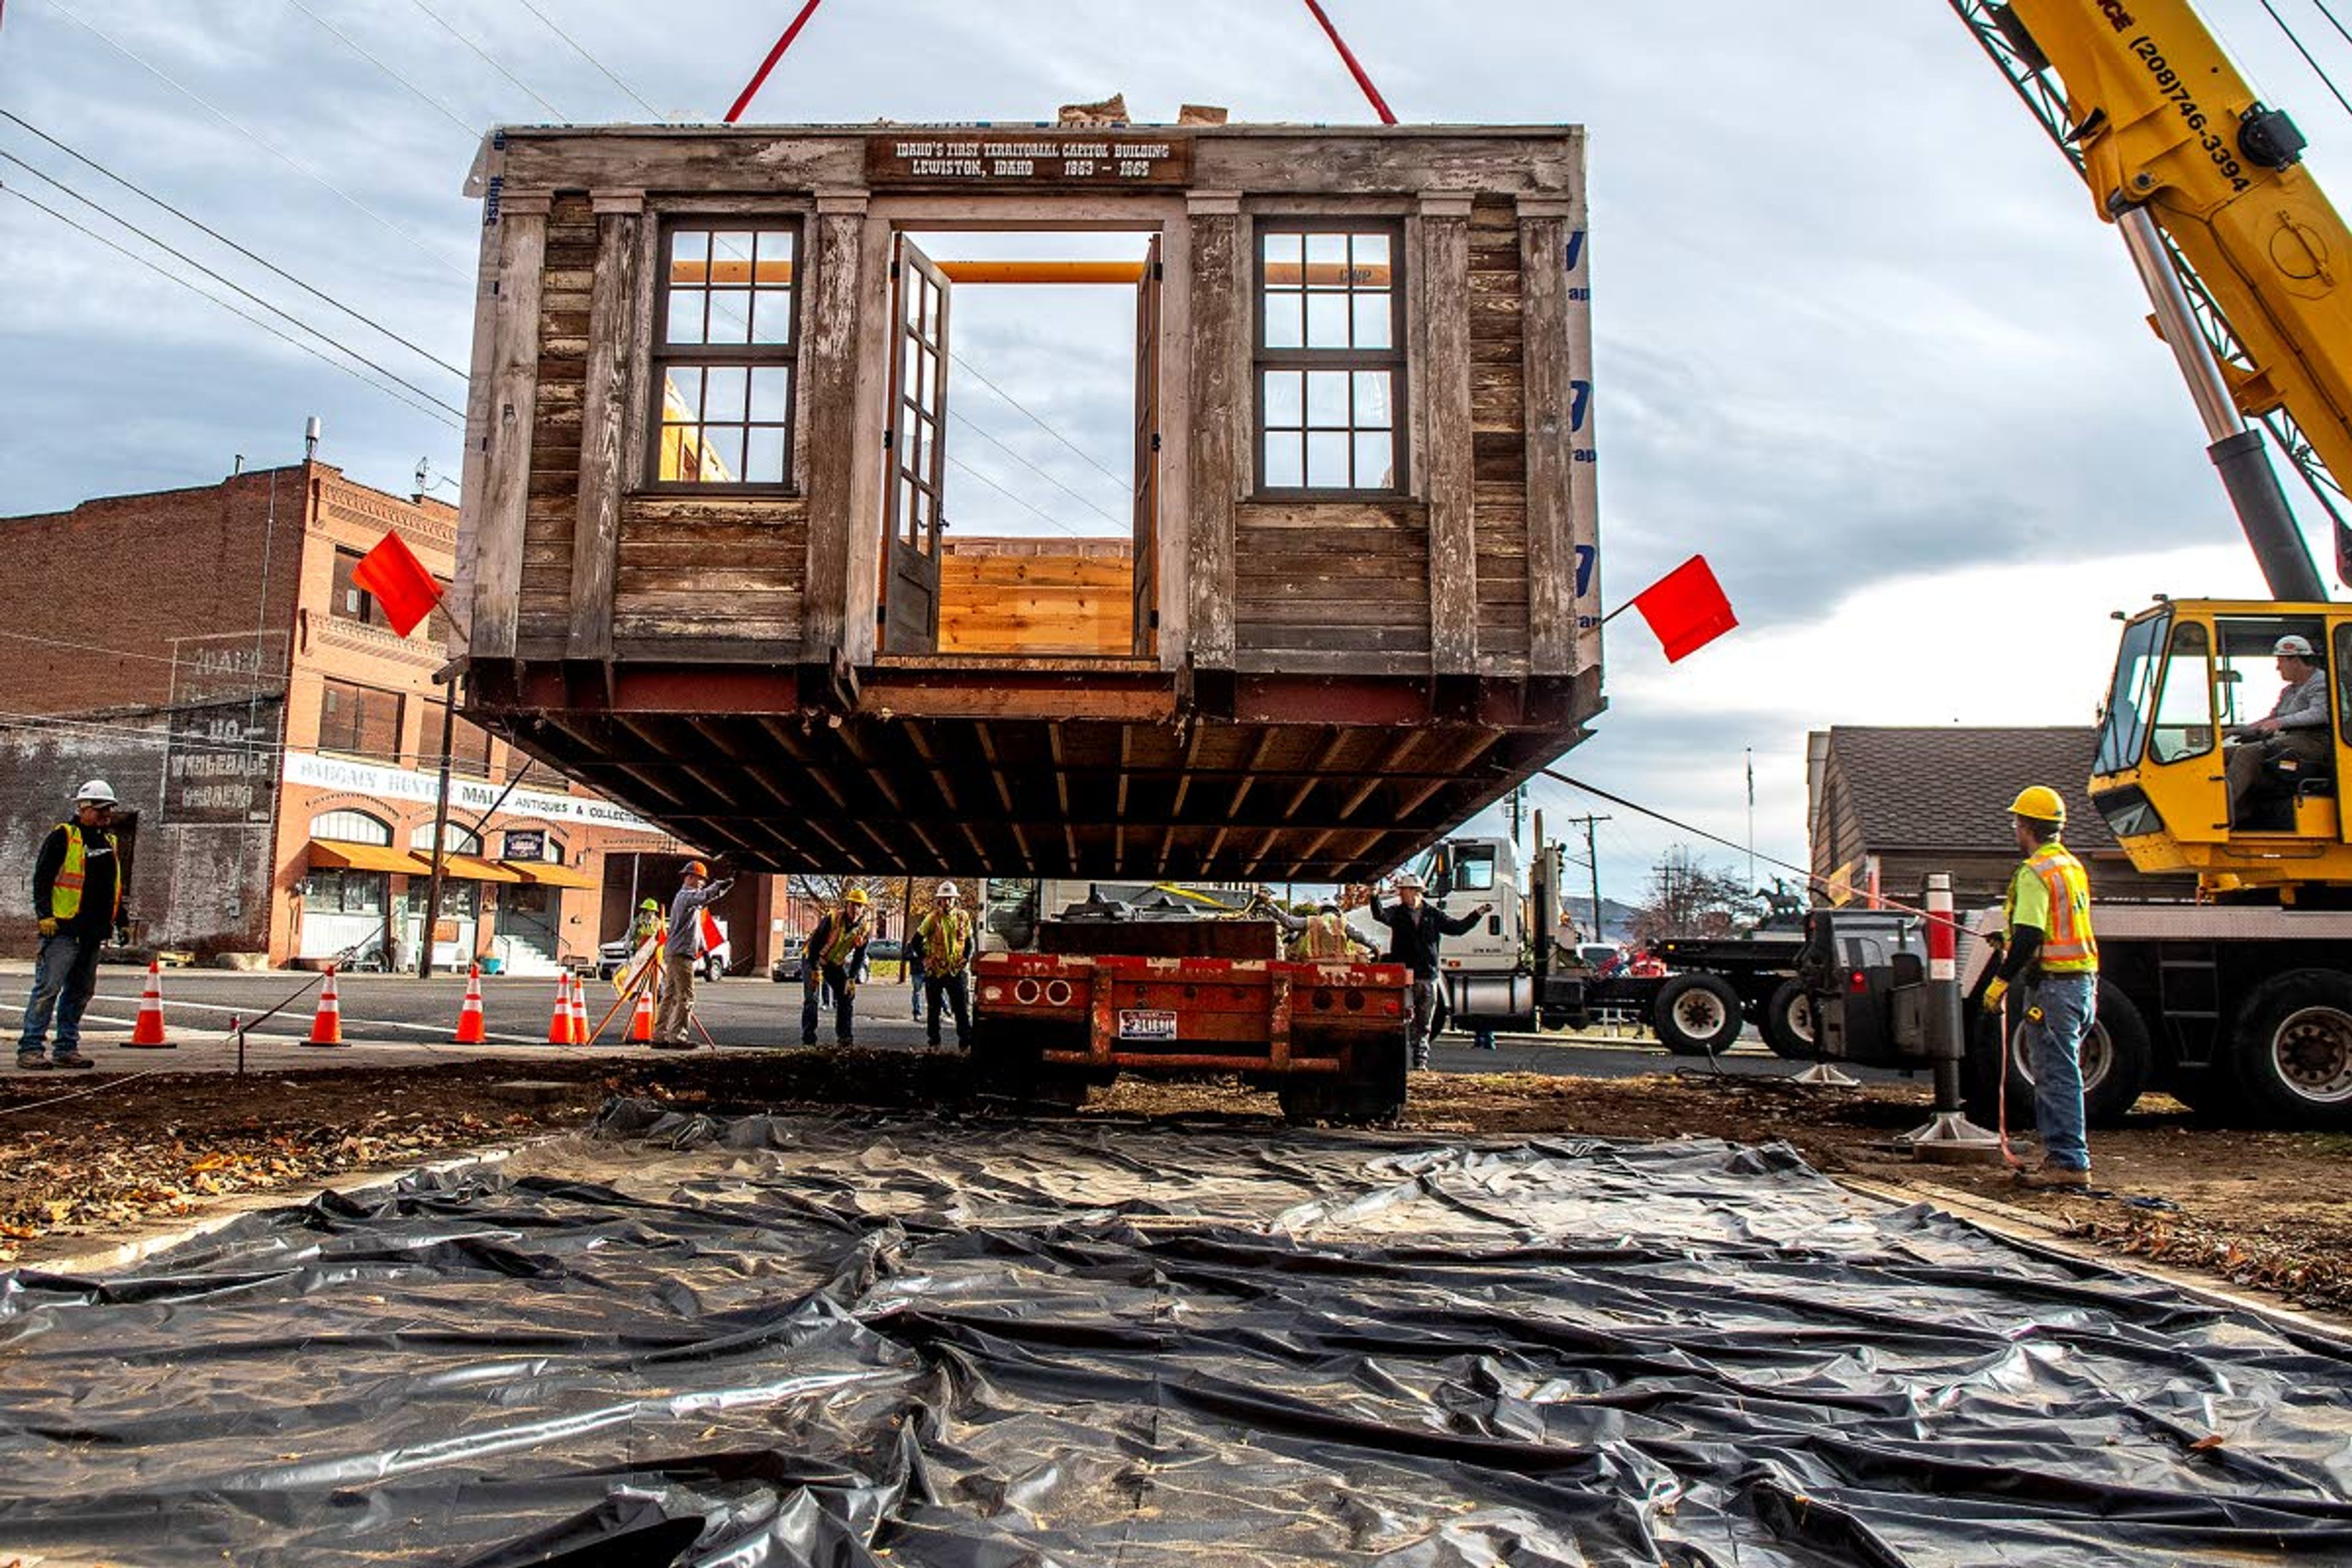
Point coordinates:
[(327, 1024), (579, 1012), (641, 1022), (469, 1016), (147, 1034), (559, 1024)]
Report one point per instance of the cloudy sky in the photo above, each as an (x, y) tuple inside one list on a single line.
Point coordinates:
[(1861, 340)]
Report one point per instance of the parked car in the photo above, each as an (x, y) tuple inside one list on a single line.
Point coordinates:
[(791, 962), (613, 956), (883, 950)]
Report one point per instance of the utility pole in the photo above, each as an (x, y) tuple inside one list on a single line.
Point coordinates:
[(1593, 864), (440, 834)]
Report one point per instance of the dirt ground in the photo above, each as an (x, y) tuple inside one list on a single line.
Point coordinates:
[(2265, 1210)]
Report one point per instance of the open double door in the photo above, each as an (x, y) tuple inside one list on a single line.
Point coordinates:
[(913, 509)]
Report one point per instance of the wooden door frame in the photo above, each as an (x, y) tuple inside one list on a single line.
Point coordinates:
[(1163, 213)]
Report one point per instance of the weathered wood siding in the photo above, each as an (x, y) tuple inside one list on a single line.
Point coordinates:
[(566, 283), (1498, 426), (711, 568), (1331, 585)]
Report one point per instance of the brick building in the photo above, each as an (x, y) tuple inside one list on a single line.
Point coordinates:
[(1901, 802), (276, 747)]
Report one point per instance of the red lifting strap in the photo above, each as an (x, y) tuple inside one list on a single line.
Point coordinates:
[(760, 76)]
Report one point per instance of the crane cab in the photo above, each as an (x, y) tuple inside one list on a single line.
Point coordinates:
[(2190, 675)]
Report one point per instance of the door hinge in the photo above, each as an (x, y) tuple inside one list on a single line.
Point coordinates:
[(894, 272), (1152, 620), (1155, 440), (1158, 271), (882, 614), (885, 438)]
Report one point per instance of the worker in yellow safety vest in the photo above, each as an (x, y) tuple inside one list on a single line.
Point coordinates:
[(76, 905), (945, 942), (836, 959), (2050, 952)]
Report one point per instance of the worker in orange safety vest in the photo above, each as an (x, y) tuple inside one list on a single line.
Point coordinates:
[(835, 960)]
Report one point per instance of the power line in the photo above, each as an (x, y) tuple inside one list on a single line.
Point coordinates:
[(974, 426), (1126, 484), (229, 283), (457, 424), (579, 49), (305, 171), (2322, 6), (204, 228), (2316, 68), (451, 115), (488, 60), (1017, 501)]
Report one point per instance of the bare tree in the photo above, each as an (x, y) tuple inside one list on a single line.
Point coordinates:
[(1688, 898)]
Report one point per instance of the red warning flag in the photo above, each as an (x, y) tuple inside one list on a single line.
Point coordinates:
[(1686, 608), (399, 581), (712, 937)]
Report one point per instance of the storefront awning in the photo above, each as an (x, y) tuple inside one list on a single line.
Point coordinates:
[(339, 855), (548, 873), (472, 869)]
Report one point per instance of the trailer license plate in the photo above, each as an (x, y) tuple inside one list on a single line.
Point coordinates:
[(1138, 1023)]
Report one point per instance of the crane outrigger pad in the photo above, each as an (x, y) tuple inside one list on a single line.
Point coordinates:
[(856, 1340)]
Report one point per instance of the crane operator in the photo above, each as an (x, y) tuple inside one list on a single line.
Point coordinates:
[(2296, 728)]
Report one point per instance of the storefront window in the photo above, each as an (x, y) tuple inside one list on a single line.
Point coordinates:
[(349, 892)]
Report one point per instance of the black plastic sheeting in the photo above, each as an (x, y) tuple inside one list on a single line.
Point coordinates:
[(852, 1342)]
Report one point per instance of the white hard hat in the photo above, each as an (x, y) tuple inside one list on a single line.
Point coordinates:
[(1408, 881), (947, 890), (2291, 647), (96, 789)]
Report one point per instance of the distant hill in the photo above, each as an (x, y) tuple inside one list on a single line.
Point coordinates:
[(1616, 922)]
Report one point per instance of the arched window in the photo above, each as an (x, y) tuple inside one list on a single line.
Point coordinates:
[(460, 841), (351, 827)]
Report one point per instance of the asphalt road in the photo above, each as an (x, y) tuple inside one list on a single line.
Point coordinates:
[(394, 1019)]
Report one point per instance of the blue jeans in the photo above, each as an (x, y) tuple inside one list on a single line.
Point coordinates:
[(63, 977), (2069, 1005)]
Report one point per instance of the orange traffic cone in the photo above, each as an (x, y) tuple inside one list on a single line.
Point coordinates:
[(327, 1026), (579, 1011), (559, 1024), (469, 1016), (148, 1033), (641, 1022)]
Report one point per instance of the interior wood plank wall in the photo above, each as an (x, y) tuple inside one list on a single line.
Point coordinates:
[(711, 567), (544, 623), (1037, 597), (1331, 585), (1498, 420)]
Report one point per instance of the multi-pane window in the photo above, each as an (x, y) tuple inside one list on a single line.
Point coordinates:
[(351, 827), (346, 892), (724, 355), (360, 721), (455, 840), (350, 602), (1330, 355)]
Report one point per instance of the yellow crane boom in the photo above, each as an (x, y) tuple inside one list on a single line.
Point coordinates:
[(2245, 257)]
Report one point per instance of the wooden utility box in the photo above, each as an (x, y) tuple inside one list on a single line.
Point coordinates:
[(704, 488)]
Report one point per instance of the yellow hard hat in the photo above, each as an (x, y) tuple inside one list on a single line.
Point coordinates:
[(2041, 804), (856, 895)]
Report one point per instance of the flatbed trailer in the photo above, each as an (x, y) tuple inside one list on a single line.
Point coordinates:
[(1329, 1038)]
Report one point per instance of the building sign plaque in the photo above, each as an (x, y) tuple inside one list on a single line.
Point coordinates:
[(1017, 159), (523, 844)]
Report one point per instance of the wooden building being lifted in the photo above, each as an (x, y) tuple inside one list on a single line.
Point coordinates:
[(705, 485)]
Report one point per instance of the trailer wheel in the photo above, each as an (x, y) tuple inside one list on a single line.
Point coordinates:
[(2293, 1060), (2117, 1059), (1698, 1015), (1789, 1023)]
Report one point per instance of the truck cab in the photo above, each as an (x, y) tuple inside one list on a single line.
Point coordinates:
[(2189, 674)]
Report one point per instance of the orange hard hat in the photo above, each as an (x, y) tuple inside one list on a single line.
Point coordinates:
[(694, 869)]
